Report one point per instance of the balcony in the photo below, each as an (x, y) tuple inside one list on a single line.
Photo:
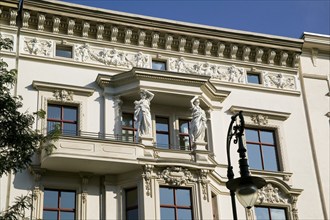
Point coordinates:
[(109, 154)]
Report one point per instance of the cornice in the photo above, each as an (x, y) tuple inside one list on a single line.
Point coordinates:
[(269, 113), (160, 34)]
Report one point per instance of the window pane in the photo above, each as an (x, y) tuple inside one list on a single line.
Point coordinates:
[(162, 124), (127, 135), (253, 78), (69, 129), (251, 135), (184, 214), (277, 214), (167, 214), (162, 141), (166, 196), (157, 65), (127, 120), (50, 199), (183, 197), (267, 137), (184, 127), (69, 114), (261, 213), (132, 214), (67, 215), (49, 215), (254, 156), (269, 156), (68, 200), (54, 112), (51, 125), (131, 198), (63, 51), (184, 142)]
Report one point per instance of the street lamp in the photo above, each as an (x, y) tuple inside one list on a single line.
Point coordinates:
[(246, 187)]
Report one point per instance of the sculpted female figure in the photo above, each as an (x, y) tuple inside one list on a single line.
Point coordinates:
[(198, 122), (142, 116)]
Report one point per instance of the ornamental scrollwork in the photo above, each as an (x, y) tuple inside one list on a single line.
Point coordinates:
[(259, 119), (176, 176), (204, 182), (147, 175), (271, 194), (38, 47)]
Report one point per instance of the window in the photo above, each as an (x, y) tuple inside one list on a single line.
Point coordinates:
[(253, 78), (158, 65), (63, 116), (184, 138), (261, 148), (162, 133), (63, 51), (59, 204), (132, 204), (271, 213), (175, 203), (127, 125)]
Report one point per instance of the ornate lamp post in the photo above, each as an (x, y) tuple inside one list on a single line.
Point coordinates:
[(246, 187)]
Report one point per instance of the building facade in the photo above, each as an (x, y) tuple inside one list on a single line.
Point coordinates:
[(86, 67)]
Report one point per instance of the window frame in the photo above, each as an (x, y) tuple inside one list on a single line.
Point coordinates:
[(159, 62), (58, 210), (127, 128), (61, 120), (254, 74), (275, 145), (175, 206), (62, 47), (168, 132), (182, 134), (269, 211)]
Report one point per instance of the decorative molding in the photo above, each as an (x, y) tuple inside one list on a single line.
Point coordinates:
[(195, 46), (147, 176), (85, 29), (114, 33), (271, 56), (168, 42), (208, 47), (100, 31), (71, 24), (176, 176), (283, 58), (63, 95), (56, 24), (41, 21), (259, 52), (155, 40), (13, 15), (221, 49), (182, 44), (26, 17), (252, 111), (37, 46), (128, 35), (296, 59), (204, 182), (246, 53), (233, 51), (259, 119), (142, 35)]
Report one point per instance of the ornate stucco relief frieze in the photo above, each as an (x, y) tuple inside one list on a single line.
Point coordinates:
[(279, 80), (38, 46), (111, 57)]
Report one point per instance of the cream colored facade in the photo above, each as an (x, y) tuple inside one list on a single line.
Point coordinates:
[(112, 56)]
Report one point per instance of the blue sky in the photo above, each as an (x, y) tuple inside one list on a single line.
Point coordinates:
[(288, 18)]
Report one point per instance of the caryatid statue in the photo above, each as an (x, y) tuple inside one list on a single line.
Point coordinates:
[(198, 121), (142, 116)]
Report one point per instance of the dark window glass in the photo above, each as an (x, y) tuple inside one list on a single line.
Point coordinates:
[(270, 213), (175, 203), (184, 138), (59, 204), (262, 151), (162, 133), (132, 212), (127, 125), (65, 117), (63, 51), (253, 78), (158, 65)]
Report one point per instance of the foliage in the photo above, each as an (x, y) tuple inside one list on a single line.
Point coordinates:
[(17, 211)]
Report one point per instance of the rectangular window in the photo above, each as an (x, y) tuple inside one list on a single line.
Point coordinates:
[(270, 213), (65, 117), (184, 137), (175, 203), (127, 125), (158, 65), (59, 204), (253, 78), (132, 212), (262, 150), (162, 133), (63, 51)]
